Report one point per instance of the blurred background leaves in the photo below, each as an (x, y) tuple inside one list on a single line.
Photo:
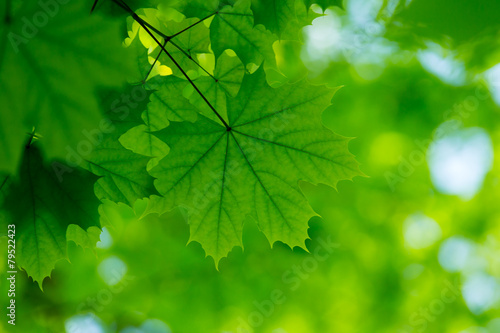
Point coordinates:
[(418, 241)]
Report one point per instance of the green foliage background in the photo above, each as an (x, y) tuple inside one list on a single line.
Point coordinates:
[(372, 281)]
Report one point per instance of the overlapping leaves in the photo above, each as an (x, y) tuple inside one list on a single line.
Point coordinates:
[(219, 140), (248, 147), (42, 203), (49, 70), (222, 175)]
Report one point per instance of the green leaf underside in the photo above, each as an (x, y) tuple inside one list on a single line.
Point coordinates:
[(193, 41), (167, 103), (86, 239), (221, 176), (139, 53), (43, 205), (226, 81), (233, 28), (49, 75), (123, 175), (284, 18), (275, 15)]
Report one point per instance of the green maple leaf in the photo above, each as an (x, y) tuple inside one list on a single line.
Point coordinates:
[(51, 61), (86, 239), (275, 15), (166, 104), (42, 205), (285, 18), (123, 175), (193, 41), (221, 176), (143, 69), (226, 81), (233, 28)]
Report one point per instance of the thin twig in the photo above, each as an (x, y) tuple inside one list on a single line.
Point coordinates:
[(153, 65), (32, 135), (164, 36), (192, 25), (93, 6), (139, 20), (146, 27), (192, 59), (187, 77), (4, 182)]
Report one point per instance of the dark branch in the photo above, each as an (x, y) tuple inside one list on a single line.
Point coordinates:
[(192, 25), (4, 182), (32, 136), (93, 6), (167, 38), (186, 76), (187, 55), (146, 26), (198, 90), (154, 63), (139, 20)]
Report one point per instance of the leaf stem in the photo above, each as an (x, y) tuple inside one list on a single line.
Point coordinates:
[(4, 182), (153, 65), (183, 52), (146, 26), (192, 25), (93, 6), (139, 20), (199, 92), (142, 22), (32, 135), (187, 55), (169, 38), (186, 76)]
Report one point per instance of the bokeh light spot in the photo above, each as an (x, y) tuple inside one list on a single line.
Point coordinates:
[(459, 161), (148, 326), (442, 64), (112, 270), (106, 240), (455, 253), (480, 292), (420, 231), (88, 323)]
